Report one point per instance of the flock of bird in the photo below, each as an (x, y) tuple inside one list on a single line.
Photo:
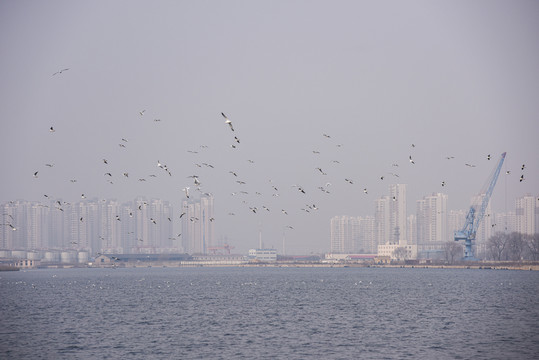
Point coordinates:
[(256, 206)]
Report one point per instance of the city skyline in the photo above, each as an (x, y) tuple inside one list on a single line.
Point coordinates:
[(131, 227)]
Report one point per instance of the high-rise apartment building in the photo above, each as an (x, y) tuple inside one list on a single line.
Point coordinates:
[(527, 214), (353, 234), (197, 225), (431, 224), (398, 225), (381, 220), (344, 234)]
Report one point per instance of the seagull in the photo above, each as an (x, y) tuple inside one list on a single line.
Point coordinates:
[(186, 191), (349, 181), (488, 157), (126, 174), (508, 172), (443, 183), (523, 166), (123, 139), (153, 220), (365, 191), (49, 165), (411, 161), (142, 112), (470, 165), (284, 212), (60, 71), (237, 140), (51, 129), (227, 121), (182, 214), (35, 174), (319, 169), (83, 196), (109, 174), (521, 178), (326, 135), (449, 157), (105, 161)]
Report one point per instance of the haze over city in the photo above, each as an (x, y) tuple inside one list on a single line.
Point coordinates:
[(331, 98)]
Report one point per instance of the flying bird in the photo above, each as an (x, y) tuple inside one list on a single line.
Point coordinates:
[(411, 161), (142, 112), (523, 166), (35, 174), (227, 121), (60, 71), (51, 129), (186, 191), (521, 178)]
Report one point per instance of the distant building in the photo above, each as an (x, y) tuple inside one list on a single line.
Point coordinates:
[(263, 254), (398, 252), (431, 225), (197, 225), (527, 214)]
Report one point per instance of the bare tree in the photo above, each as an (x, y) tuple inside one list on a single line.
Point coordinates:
[(515, 246), (452, 250), (400, 253), (532, 242), (496, 245)]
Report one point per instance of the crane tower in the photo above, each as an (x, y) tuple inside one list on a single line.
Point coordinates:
[(476, 213)]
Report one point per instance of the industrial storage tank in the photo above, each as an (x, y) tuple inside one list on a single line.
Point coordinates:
[(51, 256), (82, 257), (67, 257)]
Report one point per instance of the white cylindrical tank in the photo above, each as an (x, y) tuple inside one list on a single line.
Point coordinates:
[(82, 257), (67, 257), (51, 256)]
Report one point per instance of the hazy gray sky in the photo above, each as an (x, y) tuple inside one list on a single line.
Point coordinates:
[(455, 78)]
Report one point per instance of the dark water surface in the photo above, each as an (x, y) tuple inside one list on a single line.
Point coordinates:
[(269, 313)]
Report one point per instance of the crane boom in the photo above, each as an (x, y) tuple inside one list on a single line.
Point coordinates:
[(476, 214)]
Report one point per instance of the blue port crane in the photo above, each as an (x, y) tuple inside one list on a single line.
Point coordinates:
[(477, 212)]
